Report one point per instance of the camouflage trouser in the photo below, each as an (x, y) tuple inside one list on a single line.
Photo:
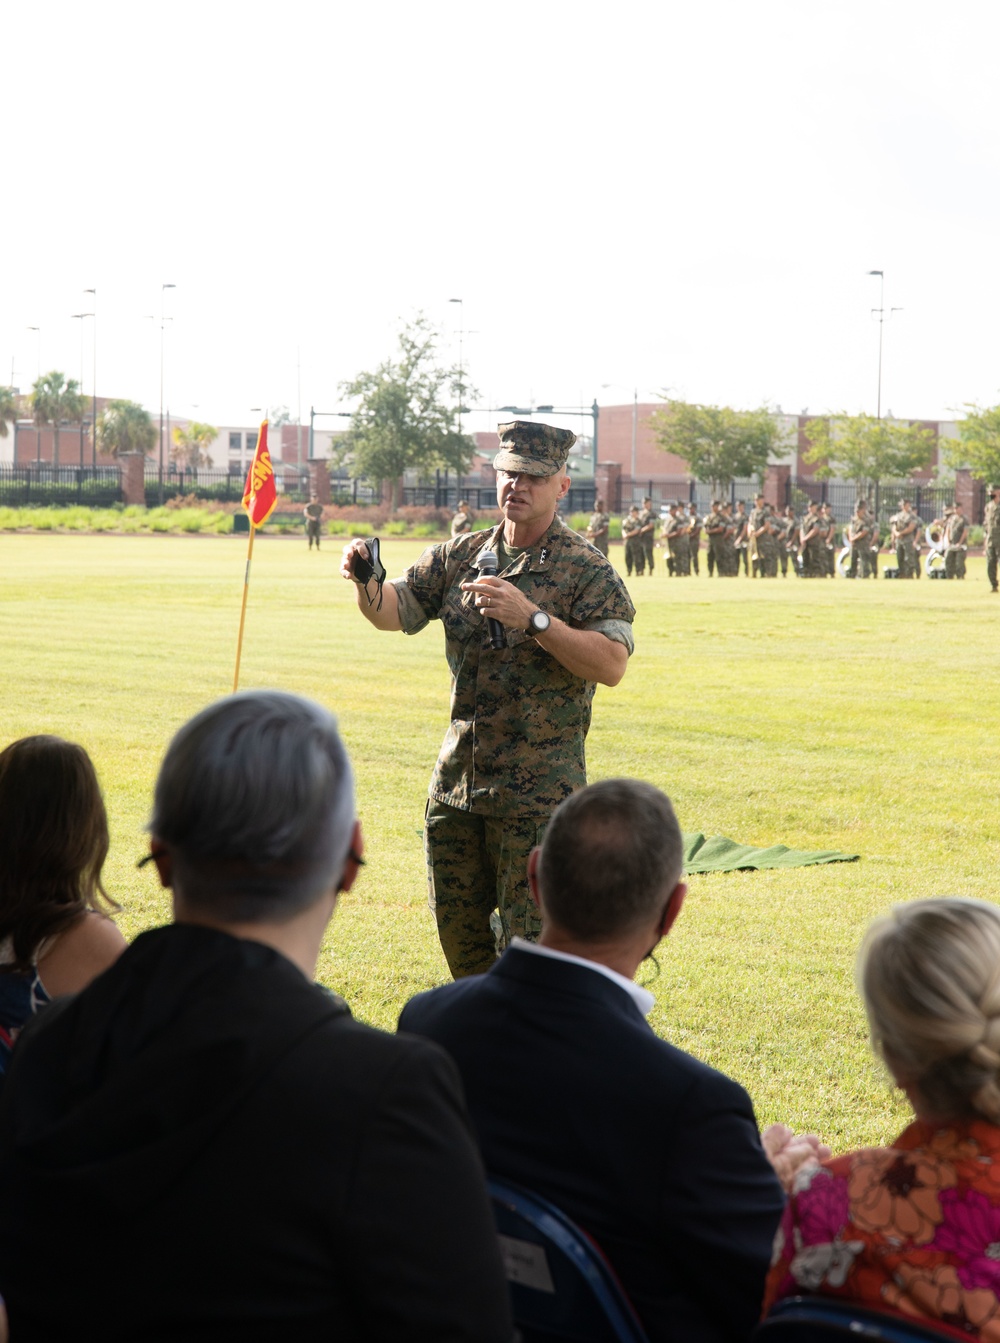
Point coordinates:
[(954, 563), (767, 557), (647, 550), (477, 871), (728, 559), (991, 563), (681, 551), (312, 532), (635, 557), (906, 560)]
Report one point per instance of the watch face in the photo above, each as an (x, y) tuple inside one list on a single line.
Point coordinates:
[(539, 622)]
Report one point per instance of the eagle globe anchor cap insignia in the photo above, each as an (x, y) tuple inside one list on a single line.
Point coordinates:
[(532, 449)]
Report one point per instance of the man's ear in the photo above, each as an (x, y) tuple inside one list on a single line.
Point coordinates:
[(674, 905), (533, 857), (352, 867)]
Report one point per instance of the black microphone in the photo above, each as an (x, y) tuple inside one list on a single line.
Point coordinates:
[(487, 564)]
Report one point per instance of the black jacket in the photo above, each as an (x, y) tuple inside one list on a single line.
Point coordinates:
[(655, 1154), (203, 1145)]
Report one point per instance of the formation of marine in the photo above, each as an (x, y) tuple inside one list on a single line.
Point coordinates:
[(762, 540)]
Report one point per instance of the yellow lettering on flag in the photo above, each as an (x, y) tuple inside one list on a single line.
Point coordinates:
[(260, 494)]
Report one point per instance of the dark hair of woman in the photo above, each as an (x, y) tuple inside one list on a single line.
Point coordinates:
[(53, 843)]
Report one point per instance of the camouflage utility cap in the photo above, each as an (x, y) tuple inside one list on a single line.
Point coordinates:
[(534, 449)]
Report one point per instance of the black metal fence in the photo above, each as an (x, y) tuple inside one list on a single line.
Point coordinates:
[(31, 485), (201, 482), (928, 501)]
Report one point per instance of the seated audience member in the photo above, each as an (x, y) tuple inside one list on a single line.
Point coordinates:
[(257, 1164), (654, 1154), (915, 1227), (54, 939)]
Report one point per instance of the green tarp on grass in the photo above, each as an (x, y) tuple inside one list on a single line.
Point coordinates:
[(719, 854)]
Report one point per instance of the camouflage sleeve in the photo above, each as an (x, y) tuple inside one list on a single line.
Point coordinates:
[(600, 595), (421, 590), (412, 616), (618, 631)]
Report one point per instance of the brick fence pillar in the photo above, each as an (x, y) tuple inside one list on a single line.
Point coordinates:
[(776, 480), (133, 469), (965, 494), (608, 483), (319, 481)]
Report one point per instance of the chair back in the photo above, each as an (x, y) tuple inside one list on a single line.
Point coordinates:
[(561, 1286), (823, 1319)]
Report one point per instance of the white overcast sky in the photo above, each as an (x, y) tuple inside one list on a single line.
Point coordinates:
[(651, 196)]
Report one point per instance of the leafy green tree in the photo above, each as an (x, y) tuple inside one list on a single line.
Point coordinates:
[(718, 443), (867, 449), (55, 400), (191, 444), (408, 413), (8, 409), (978, 443), (124, 426)]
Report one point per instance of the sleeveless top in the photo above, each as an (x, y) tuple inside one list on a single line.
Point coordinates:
[(21, 996)]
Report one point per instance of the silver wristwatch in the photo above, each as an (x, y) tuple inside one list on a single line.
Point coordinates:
[(539, 622)]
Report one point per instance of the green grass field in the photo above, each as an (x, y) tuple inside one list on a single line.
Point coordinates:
[(857, 716)]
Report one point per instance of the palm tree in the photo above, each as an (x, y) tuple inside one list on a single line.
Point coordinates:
[(54, 400), (8, 409), (123, 426), (191, 444)]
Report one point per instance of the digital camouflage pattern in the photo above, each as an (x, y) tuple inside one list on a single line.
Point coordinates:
[(635, 556), (535, 449), (764, 541), (518, 717), (461, 522), (647, 525), (859, 537), (955, 531), (991, 538), (598, 529), (906, 554), (476, 864)]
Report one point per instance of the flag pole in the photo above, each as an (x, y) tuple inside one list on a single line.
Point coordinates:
[(259, 499), (243, 610)]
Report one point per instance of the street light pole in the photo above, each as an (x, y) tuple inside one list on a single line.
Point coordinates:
[(163, 289), (81, 316), (461, 334), (93, 388), (881, 321)]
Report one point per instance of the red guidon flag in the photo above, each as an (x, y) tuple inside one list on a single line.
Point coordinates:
[(260, 493)]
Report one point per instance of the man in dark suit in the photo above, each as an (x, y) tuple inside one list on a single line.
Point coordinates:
[(204, 1145), (653, 1153)]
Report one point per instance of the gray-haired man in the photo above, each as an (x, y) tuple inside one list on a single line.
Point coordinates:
[(265, 1166)]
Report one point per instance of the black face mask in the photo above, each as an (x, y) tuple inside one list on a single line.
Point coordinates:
[(364, 571)]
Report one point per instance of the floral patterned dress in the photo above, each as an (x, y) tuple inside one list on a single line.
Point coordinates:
[(913, 1228)]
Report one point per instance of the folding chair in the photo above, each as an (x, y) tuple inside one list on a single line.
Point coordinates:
[(824, 1319), (561, 1286)]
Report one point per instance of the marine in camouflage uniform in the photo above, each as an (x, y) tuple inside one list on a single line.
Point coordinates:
[(763, 539), (715, 526), (519, 713), (741, 540), (786, 530), (599, 527), (991, 534), (647, 531), (313, 514), (956, 530), (859, 538), (812, 544), (904, 525), (728, 556), (829, 556), (635, 556), (462, 521), (680, 542), (694, 536)]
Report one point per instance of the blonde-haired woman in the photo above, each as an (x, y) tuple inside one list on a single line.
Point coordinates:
[(915, 1227)]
